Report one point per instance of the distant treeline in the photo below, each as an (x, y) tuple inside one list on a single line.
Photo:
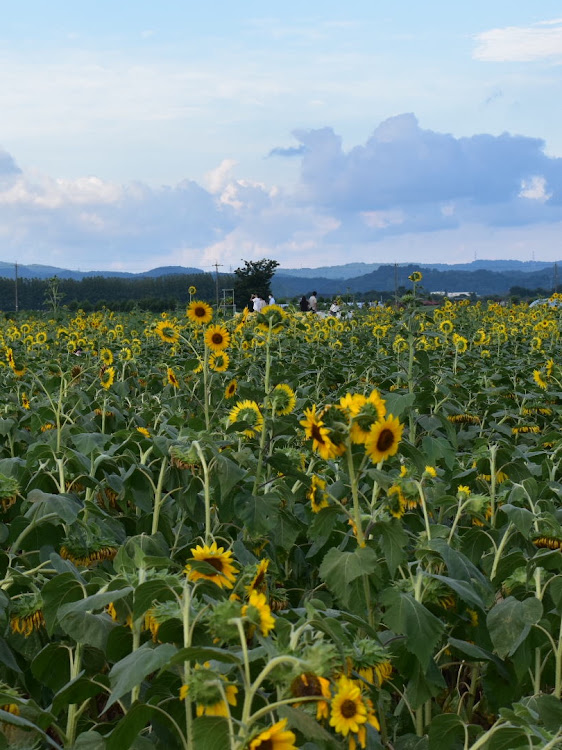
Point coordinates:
[(121, 294)]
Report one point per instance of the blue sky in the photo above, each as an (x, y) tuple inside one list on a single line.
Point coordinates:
[(137, 134)]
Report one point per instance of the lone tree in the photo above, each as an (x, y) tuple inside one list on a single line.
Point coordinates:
[(254, 278)]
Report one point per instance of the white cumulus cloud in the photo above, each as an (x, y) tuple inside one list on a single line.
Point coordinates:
[(521, 43)]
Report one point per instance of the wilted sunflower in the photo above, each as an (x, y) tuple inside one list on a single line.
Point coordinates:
[(192, 290), (258, 612), (106, 357), (220, 560), (107, 376), (167, 332), (274, 738), (383, 439), (284, 399), (248, 412), (219, 361), (258, 581), (217, 338), (27, 614), (172, 379), (231, 389), (317, 494), (199, 312)]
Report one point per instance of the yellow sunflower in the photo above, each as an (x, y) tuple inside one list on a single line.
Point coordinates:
[(275, 738), (310, 685), (259, 612), (219, 361), (25, 401), (258, 581), (199, 312), (249, 412), (219, 708), (348, 708), (172, 379), (446, 327), (317, 494), (107, 376), (192, 290), (284, 399), (106, 356), (416, 277), (231, 389), (167, 332), (537, 377), (383, 439), (314, 428), (217, 338), (143, 431), (220, 560)]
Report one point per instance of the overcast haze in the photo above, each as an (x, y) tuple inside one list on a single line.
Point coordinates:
[(136, 134)]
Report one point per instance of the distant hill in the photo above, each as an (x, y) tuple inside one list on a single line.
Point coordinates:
[(35, 271)]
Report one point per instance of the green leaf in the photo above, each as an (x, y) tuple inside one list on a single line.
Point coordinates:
[(550, 711), (229, 474), (96, 601), (308, 726), (7, 658), (210, 733), (521, 518), (19, 721), (406, 616), (90, 442), (446, 732), (339, 569), (92, 630), (59, 590), (258, 512), (507, 738), (202, 654), (509, 623), (43, 505), (132, 670), (479, 654), (148, 593), (51, 666), (128, 729), (393, 540), (76, 691), (89, 741), (458, 565), (398, 403)]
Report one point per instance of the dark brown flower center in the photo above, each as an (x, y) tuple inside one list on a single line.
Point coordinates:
[(306, 685), (385, 440), (199, 312), (266, 745), (348, 709), (217, 338), (316, 433), (215, 562)]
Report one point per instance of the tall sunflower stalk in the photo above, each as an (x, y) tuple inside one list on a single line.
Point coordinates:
[(266, 407)]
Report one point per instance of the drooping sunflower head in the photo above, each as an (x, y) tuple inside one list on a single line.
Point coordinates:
[(382, 441), (192, 290), (219, 361), (217, 338), (284, 399), (231, 389), (271, 315), (167, 332), (225, 571), (248, 412), (9, 489), (199, 312), (26, 614), (258, 582)]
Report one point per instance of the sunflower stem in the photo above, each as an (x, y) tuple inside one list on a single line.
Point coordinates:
[(206, 387), (354, 495), (206, 490), (158, 500), (265, 409)]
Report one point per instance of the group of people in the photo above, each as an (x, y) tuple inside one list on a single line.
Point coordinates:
[(310, 304), (257, 303)]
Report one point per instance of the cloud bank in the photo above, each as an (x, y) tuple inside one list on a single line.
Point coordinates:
[(402, 185), (539, 41)]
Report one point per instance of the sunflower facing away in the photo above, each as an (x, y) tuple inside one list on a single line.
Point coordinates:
[(106, 356), (382, 442), (219, 361), (220, 560), (317, 494), (248, 412), (275, 738), (310, 685), (259, 612), (217, 338), (284, 399), (199, 312)]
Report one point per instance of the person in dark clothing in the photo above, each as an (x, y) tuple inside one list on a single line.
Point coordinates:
[(303, 304)]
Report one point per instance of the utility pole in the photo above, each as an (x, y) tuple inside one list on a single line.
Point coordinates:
[(217, 282), (16, 288)]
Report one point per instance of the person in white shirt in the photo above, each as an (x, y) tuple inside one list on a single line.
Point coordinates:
[(271, 300), (259, 304), (313, 303)]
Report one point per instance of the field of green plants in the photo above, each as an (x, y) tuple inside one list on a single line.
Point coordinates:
[(279, 531)]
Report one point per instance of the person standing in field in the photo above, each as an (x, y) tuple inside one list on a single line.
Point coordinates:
[(303, 304), (259, 304), (313, 303), (271, 300)]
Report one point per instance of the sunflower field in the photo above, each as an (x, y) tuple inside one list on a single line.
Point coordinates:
[(282, 531)]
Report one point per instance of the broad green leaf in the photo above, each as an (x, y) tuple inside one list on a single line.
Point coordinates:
[(446, 732), (406, 616), (7, 658), (96, 601), (258, 513), (463, 589), (59, 590), (393, 540), (89, 741), (149, 592), (479, 654), (521, 518), (76, 691), (339, 569), (84, 627), (229, 474), (128, 729), (51, 666), (90, 442), (507, 738), (210, 733), (308, 727), (202, 654), (19, 721), (509, 623), (46, 506), (549, 709), (132, 670)]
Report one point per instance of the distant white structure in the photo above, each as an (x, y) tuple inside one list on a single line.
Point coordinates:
[(453, 295)]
